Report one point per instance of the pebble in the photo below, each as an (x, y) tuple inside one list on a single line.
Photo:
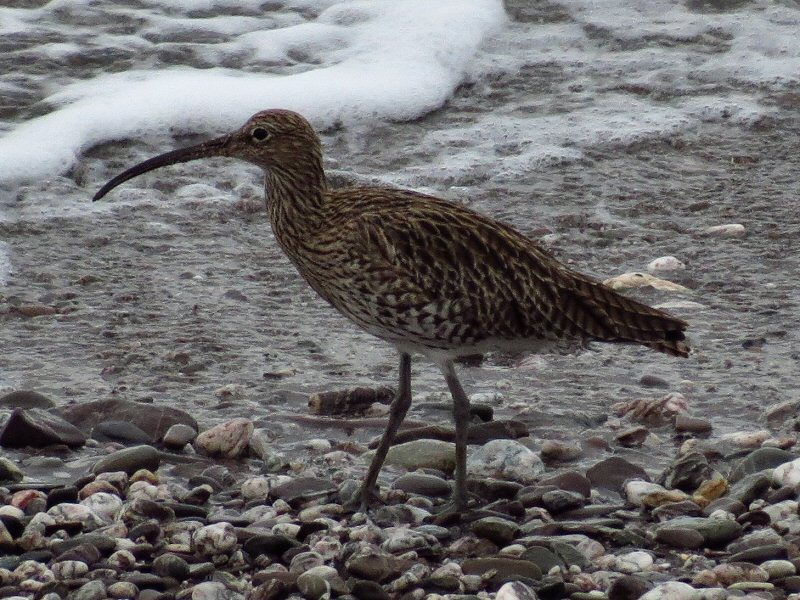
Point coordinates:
[(38, 428), (120, 431), (515, 590), (787, 473), (733, 230), (211, 540), (226, 440), (498, 530), (129, 460), (25, 399), (665, 264), (612, 473), (421, 454), (629, 587), (688, 424), (557, 450), (423, 484), (505, 568), (672, 590), (9, 471), (633, 437), (505, 459), (178, 435), (637, 280)]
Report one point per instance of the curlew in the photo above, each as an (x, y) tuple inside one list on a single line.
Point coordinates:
[(428, 276)]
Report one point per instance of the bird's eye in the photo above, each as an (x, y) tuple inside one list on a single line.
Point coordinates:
[(260, 134)]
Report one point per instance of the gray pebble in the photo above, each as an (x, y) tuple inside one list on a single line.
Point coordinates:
[(129, 460), (422, 484), (500, 531), (178, 436)]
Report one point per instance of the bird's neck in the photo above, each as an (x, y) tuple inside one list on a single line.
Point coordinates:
[(296, 199)]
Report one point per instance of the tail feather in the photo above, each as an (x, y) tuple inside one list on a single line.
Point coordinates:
[(611, 317)]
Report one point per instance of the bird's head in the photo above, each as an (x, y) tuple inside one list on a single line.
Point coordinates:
[(280, 141)]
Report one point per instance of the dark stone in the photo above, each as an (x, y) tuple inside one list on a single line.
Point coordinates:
[(269, 544), (308, 528), (178, 436), (13, 525), (570, 481), (171, 565), (183, 511), (507, 568), (273, 589), (301, 489), (680, 537), (147, 417), (37, 428), (686, 473), (670, 510), (653, 381), (25, 399), (557, 501), (611, 473), (731, 505), (147, 581), (368, 590), (104, 543), (493, 489), (63, 495), (84, 552), (688, 424), (120, 431), (633, 437), (760, 460), (629, 587), (500, 531), (715, 532), (543, 558), (129, 460), (760, 554), (422, 484), (749, 488), (148, 530)]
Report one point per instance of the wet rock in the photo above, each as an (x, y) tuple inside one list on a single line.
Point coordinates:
[(557, 501), (120, 431), (653, 381), (715, 532), (171, 565), (629, 587), (129, 460), (301, 489), (557, 450), (749, 488), (612, 472), (760, 554), (689, 424), (672, 590), (422, 484), (759, 460), (368, 590), (543, 558), (151, 418), (177, 436), (776, 415), (653, 412), (9, 471), (226, 440), (37, 428), (505, 459), (777, 569), (25, 399), (730, 230), (680, 537), (670, 510), (506, 568), (632, 437), (650, 495), (211, 540), (500, 531), (421, 454), (491, 489), (316, 582), (70, 569), (515, 590), (635, 280), (269, 544), (787, 473), (93, 590), (122, 589), (687, 472), (570, 481), (370, 564)]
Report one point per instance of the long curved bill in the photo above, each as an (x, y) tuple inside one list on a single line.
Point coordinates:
[(216, 147)]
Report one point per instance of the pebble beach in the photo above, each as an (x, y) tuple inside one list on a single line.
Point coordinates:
[(181, 417)]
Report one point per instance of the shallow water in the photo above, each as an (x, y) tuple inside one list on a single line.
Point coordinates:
[(620, 134)]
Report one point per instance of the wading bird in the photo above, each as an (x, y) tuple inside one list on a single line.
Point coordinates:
[(428, 276)]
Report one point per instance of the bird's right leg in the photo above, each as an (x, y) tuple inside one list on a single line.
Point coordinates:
[(397, 413)]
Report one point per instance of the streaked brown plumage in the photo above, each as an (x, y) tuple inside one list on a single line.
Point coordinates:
[(426, 275)]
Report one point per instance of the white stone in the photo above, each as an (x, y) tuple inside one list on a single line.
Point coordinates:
[(787, 473), (515, 590), (782, 511), (727, 230), (637, 280), (318, 445), (104, 505), (255, 488), (211, 540), (12, 511), (637, 489), (665, 263), (505, 459), (76, 512), (778, 568), (227, 440), (672, 590), (746, 439), (634, 562)]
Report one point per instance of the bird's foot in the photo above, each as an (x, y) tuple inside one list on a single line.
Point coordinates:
[(365, 499), (457, 510)]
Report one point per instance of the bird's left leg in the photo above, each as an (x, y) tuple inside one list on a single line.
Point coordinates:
[(461, 418)]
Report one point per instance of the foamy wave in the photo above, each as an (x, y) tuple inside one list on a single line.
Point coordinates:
[(395, 59)]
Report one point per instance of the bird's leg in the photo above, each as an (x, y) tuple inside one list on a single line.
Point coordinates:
[(397, 413), (461, 418)]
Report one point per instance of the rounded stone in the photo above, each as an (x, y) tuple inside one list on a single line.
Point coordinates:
[(422, 484), (171, 565), (129, 460), (680, 537), (226, 440), (178, 435), (498, 530), (629, 587), (505, 459)]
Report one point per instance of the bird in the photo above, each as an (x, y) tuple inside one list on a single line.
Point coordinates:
[(429, 276)]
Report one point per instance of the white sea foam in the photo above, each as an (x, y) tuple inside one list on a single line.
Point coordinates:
[(392, 59)]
